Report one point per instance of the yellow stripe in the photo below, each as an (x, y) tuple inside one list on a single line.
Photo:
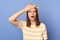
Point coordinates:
[(27, 34), (32, 33), (28, 39), (33, 30)]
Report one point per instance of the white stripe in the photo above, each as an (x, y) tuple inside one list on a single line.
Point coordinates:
[(27, 37)]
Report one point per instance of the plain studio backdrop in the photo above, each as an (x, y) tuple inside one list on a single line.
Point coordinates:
[(49, 13)]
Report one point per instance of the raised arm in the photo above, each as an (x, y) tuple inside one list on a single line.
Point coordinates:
[(13, 19)]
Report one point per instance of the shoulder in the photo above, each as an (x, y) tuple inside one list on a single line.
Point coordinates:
[(42, 25), (22, 22)]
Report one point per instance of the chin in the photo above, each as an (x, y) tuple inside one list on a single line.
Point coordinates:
[(32, 19)]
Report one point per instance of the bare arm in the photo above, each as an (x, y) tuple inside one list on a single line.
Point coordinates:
[(13, 18)]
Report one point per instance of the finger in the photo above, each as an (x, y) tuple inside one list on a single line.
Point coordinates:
[(35, 6)]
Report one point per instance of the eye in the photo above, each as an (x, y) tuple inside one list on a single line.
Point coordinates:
[(29, 11), (34, 11)]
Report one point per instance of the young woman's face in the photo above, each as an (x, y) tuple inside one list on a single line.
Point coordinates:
[(32, 14)]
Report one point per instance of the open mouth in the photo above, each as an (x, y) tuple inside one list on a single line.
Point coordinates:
[(32, 16)]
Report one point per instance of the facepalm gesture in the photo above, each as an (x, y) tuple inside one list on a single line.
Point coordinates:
[(30, 6)]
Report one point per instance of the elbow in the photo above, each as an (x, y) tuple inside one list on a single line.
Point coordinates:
[(9, 20)]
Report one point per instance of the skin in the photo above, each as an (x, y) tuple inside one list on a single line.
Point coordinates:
[(31, 12), (13, 19)]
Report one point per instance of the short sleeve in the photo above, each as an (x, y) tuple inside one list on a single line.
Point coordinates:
[(21, 24), (44, 30)]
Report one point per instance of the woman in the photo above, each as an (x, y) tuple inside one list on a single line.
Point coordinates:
[(32, 29)]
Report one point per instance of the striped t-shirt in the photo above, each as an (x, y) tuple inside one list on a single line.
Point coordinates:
[(33, 33)]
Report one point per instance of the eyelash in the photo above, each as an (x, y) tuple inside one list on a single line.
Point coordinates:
[(33, 11)]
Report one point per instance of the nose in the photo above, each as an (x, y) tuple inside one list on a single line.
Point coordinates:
[(32, 13)]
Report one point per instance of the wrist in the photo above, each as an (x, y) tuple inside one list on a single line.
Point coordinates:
[(23, 10)]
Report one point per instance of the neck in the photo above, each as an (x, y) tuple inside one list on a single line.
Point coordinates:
[(33, 22)]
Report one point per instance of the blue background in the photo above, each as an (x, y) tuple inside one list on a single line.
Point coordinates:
[(49, 13)]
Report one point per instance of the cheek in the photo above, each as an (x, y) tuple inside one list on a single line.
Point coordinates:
[(34, 14), (29, 15)]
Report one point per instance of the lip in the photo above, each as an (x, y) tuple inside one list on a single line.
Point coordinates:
[(32, 16)]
